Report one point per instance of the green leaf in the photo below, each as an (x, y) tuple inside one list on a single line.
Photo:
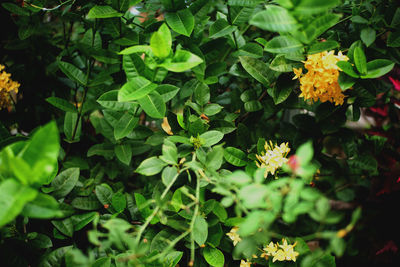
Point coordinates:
[(41, 153), (214, 256), (86, 203), (103, 12), (64, 182), (308, 7), (151, 166), (319, 25), (251, 50), (69, 126), (368, 36), (136, 49), (168, 174), (212, 109), (181, 21), (14, 9), (257, 69), (161, 42), (65, 226), (105, 150), (360, 60), (345, 81), (281, 64), (54, 258), (182, 61), (73, 72), (282, 89), (169, 152), (119, 202), (377, 68), (61, 104), (246, 3), (110, 101), (136, 88), (200, 230), (173, 258), (42, 207), (305, 153), (322, 46), (394, 39), (235, 156), (124, 153), (102, 262), (201, 93), (211, 138), (283, 44), (167, 91), (125, 125), (347, 68), (13, 197), (133, 66), (153, 104), (220, 28), (274, 19), (252, 106), (81, 220), (241, 15), (104, 194)]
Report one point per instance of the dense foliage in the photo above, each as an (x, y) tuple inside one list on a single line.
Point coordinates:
[(199, 133)]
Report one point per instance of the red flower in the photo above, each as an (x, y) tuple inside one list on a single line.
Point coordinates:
[(396, 83)]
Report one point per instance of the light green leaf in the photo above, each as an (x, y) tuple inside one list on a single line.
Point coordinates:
[(200, 230), (103, 12), (211, 138), (181, 21), (167, 91), (377, 68), (119, 202), (151, 166), (360, 60), (153, 105), (136, 49), (136, 88), (110, 101), (347, 68), (133, 66), (42, 207), (161, 42), (13, 197), (274, 19), (182, 61)]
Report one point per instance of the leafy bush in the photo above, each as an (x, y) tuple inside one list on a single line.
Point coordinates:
[(198, 133)]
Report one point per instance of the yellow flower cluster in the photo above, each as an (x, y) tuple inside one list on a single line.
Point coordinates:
[(234, 236), (321, 80), (284, 252), (6, 86), (273, 158), (244, 263)]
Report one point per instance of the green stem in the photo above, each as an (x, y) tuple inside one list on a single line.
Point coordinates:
[(196, 211)]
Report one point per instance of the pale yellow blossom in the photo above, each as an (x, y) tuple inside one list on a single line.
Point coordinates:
[(234, 236), (273, 158)]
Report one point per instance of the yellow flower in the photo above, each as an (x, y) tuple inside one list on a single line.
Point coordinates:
[(270, 249), (321, 80), (234, 236), (244, 263), (279, 255), (273, 158), (7, 86), (284, 252)]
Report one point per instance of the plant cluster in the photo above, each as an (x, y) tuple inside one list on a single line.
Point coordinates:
[(199, 133)]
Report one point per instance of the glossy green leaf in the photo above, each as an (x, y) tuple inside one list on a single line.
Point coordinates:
[(181, 21), (347, 68), (235, 156), (61, 104), (258, 69), (72, 129), (220, 28), (73, 72), (125, 125), (123, 153), (211, 138), (153, 104), (64, 182), (136, 88), (161, 42), (118, 201), (133, 66), (214, 256), (86, 203), (377, 68), (360, 60), (200, 230), (368, 36), (167, 91), (103, 12)]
